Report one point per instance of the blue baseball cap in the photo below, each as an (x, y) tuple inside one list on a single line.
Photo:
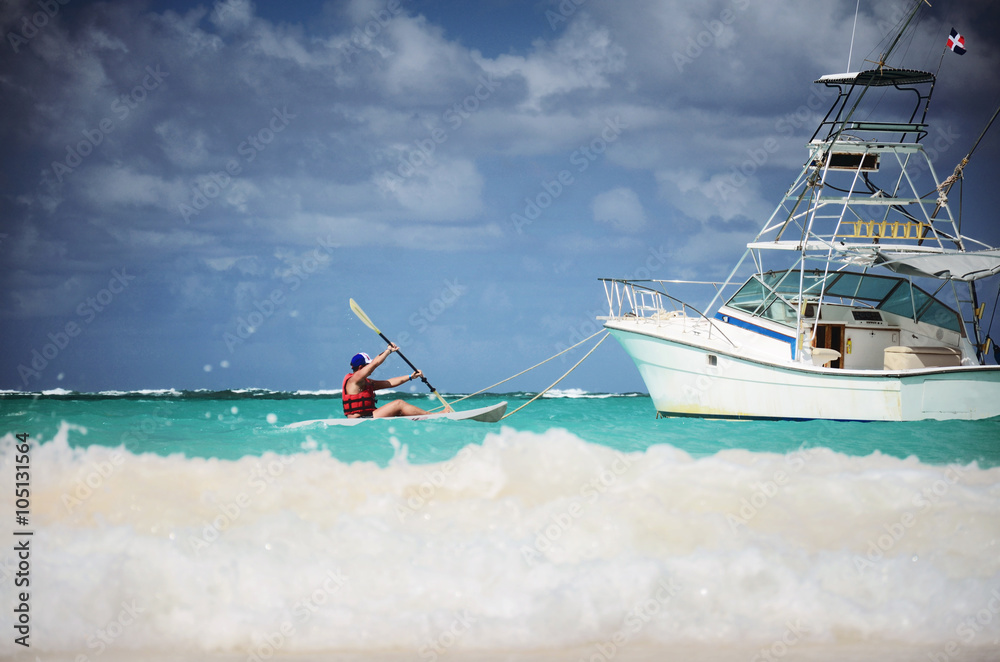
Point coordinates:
[(360, 360)]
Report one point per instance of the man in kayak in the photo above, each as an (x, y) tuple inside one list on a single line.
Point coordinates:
[(358, 390)]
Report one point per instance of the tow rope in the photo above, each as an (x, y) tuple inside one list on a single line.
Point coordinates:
[(554, 356), (596, 345)]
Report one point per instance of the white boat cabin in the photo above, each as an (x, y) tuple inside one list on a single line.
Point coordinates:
[(849, 320)]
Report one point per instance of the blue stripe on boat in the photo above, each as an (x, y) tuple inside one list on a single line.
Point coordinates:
[(735, 321)]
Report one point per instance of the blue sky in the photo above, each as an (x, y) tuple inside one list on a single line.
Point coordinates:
[(192, 192)]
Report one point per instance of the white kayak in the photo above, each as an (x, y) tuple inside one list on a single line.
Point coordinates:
[(490, 414)]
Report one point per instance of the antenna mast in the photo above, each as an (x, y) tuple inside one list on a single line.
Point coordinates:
[(850, 53)]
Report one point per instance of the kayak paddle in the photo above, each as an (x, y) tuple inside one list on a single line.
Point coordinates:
[(367, 320)]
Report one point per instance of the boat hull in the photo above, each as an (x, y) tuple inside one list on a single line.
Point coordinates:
[(682, 381)]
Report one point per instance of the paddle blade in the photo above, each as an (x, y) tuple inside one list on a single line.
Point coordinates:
[(361, 316), (447, 407)]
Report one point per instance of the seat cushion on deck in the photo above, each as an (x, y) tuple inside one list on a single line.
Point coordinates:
[(911, 358)]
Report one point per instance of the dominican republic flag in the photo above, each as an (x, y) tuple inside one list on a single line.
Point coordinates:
[(956, 42)]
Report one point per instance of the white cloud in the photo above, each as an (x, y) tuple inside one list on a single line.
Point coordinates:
[(424, 66), (164, 241), (109, 187), (620, 208), (446, 191), (281, 42), (185, 146), (581, 59), (703, 197), (232, 15), (245, 264)]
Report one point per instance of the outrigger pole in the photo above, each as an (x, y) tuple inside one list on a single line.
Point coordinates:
[(982, 346)]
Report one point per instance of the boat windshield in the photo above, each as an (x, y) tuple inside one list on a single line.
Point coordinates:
[(772, 296), (861, 286)]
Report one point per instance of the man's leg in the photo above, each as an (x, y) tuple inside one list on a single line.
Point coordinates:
[(397, 408)]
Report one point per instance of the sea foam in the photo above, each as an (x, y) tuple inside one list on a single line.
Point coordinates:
[(529, 541)]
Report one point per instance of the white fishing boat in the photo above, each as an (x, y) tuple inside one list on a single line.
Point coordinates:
[(862, 303)]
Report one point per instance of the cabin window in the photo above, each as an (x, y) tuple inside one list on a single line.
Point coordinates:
[(749, 297), (914, 303), (936, 313), (761, 298), (778, 311), (861, 286)]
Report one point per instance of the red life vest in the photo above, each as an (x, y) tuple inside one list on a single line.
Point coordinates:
[(358, 403)]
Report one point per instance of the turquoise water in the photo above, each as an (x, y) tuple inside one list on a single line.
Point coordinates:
[(229, 425), (580, 525)]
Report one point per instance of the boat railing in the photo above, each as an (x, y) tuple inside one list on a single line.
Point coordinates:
[(635, 300)]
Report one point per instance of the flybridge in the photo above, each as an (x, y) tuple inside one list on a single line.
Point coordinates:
[(879, 77), (851, 88)]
